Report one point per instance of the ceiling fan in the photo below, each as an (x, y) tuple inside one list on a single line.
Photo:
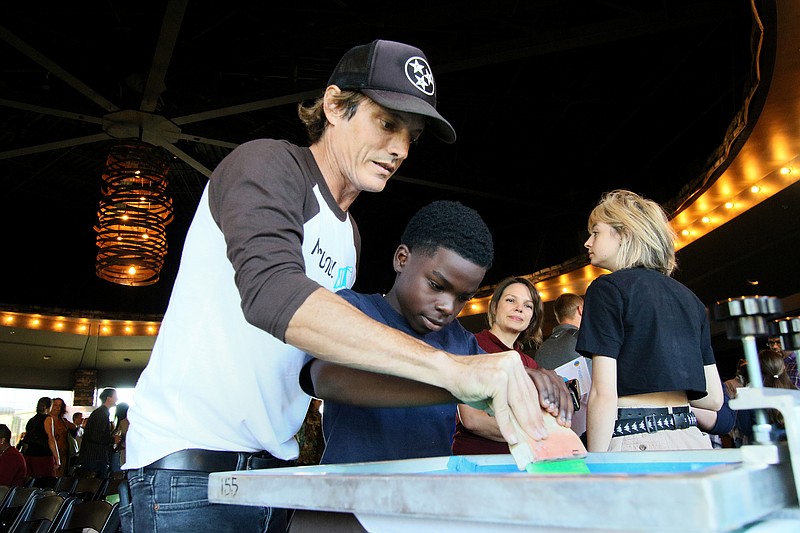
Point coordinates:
[(143, 123)]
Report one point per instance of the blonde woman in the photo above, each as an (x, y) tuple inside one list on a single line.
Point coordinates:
[(647, 334)]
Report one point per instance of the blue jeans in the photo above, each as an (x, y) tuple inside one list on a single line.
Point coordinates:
[(172, 501)]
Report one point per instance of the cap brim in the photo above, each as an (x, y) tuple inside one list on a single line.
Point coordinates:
[(411, 104)]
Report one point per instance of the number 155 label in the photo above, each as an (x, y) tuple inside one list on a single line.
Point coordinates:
[(229, 486)]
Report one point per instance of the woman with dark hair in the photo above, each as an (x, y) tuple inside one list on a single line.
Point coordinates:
[(121, 424), (38, 455), (515, 317), (774, 376), (57, 428)]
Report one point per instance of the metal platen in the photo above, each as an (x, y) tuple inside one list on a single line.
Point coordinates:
[(747, 315), (746, 318), (788, 329)]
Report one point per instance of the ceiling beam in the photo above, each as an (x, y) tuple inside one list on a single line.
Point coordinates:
[(59, 72)]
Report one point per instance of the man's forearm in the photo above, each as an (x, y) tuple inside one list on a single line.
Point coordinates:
[(331, 329), (351, 386)]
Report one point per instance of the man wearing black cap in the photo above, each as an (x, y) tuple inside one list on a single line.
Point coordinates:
[(271, 240)]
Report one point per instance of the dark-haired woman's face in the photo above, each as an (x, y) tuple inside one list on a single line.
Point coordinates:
[(514, 309), (57, 407)]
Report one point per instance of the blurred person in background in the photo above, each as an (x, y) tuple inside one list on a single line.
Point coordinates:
[(120, 430), (98, 440), (36, 445), (775, 344), (13, 469), (58, 429)]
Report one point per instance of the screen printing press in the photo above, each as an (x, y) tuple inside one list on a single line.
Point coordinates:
[(755, 488), (751, 488)]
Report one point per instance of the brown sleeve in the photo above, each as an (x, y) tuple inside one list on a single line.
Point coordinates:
[(260, 197)]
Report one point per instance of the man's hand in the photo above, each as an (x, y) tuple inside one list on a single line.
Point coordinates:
[(554, 395), (510, 393)]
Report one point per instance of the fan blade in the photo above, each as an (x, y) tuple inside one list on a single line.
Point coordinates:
[(463, 190), (189, 160), (55, 145), (59, 72), (244, 108), (170, 27), (48, 111), (206, 140)]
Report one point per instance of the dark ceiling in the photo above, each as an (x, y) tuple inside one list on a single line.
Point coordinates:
[(554, 103)]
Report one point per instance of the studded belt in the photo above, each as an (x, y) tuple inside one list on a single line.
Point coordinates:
[(631, 421)]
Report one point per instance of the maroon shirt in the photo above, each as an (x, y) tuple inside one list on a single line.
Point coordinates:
[(12, 468), (466, 442)]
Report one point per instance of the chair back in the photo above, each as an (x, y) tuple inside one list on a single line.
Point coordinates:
[(40, 513), (5, 490), (110, 490), (99, 515), (66, 484), (44, 482), (87, 488), (16, 502)]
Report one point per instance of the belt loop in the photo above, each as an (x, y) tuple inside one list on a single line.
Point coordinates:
[(242, 461), (650, 423)]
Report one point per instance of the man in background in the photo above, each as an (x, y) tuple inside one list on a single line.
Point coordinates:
[(74, 439), (98, 441), (557, 352), (12, 464)]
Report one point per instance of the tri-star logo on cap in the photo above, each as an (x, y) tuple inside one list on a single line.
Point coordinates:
[(419, 73), (382, 70)]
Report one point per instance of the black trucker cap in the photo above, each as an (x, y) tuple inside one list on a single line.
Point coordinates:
[(396, 76)]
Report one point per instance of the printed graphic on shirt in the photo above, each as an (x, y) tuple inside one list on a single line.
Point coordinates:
[(330, 257)]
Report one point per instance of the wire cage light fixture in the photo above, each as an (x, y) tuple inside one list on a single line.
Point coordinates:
[(133, 214)]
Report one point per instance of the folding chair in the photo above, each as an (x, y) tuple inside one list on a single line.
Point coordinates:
[(66, 484), (15, 502), (99, 515), (87, 488), (40, 513), (5, 490), (44, 482), (110, 490)]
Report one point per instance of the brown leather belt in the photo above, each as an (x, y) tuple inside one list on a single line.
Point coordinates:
[(216, 461)]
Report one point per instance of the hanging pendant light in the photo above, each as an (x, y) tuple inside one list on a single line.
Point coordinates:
[(133, 214)]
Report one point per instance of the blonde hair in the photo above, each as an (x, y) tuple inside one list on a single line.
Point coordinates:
[(533, 332), (647, 238)]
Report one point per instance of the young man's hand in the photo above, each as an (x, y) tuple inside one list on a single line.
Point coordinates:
[(554, 395)]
